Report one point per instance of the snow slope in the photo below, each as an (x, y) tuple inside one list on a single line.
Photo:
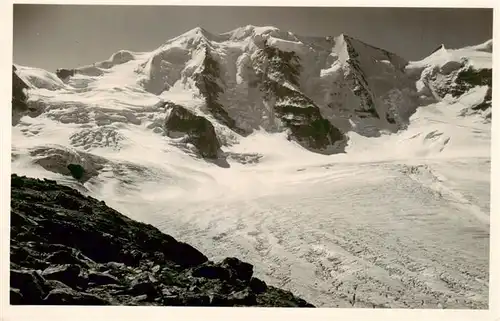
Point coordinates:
[(401, 219)]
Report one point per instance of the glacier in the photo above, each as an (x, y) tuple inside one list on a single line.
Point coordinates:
[(395, 214)]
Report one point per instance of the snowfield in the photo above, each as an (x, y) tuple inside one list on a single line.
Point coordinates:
[(399, 221), (341, 231)]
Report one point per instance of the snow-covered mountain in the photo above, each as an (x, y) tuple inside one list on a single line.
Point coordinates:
[(316, 89), (335, 167)]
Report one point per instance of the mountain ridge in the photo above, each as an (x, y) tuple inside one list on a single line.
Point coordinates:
[(234, 80)]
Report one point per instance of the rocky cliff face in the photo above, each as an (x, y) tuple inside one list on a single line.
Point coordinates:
[(19, 98), (368, 87), (198, 130), (289, 108), (207, 81), (452, 73), (68, 249), (64, 74)]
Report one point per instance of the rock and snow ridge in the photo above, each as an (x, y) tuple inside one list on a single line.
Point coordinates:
[(316, 89), (305, 132), (455, 72)]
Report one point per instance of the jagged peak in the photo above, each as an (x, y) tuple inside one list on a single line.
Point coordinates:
[(197, 30), (250, 31), (196, 34), (350, 48), (353, 41), (348, 39), (441, 47), (200, 36)]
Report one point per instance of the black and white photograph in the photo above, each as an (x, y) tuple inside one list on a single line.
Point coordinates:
[(245, 156)]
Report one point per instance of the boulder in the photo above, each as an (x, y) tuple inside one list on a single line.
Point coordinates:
[(68, 257), (257, 285), (66, 273), (240, 270), (212, 272), (244, 297), (16, 297), (99, 278), (68, 296), (76, 170), (54, 284), (144, 283), (29, 284)]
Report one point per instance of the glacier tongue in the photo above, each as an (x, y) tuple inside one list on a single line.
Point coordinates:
[(398, 218)]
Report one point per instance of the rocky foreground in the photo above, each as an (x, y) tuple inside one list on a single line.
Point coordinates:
[(69, 249)]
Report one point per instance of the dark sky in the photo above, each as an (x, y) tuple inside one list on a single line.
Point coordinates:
[(56, 36)]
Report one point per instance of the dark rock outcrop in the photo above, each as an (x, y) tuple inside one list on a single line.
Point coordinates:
[(307, 125), (18, 95), (367, 72), (199, 130), (438, 48), (207, 84), (77, 171), (68, 249), (66, 161), (359, 83), (63, 74), (293, 108), (460, 79), (19, 98), (468, 78), (486, 103)]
